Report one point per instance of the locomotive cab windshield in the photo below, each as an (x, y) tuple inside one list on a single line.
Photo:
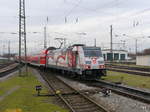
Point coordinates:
[(94, 62), (92, 52)]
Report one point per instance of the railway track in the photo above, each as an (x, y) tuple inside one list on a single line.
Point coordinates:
[(6, 64), (133, 93), (145, 69), (130, 70), (75, 100), (134, 72), (8, 69)]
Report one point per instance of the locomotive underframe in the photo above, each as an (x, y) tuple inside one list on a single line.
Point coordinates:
[(94, 73), (87, 73)]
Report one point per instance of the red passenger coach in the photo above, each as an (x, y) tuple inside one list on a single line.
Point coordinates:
[(39, 59)]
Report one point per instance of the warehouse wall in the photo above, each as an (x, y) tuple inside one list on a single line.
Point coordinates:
[(143, 60), (116, 55)]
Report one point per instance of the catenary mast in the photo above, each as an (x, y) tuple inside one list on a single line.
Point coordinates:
[(22, 34)]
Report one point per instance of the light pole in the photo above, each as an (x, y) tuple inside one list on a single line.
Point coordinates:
[(136, 41), (95, 42), (111, 42), (8, 50), (123, 42), (3, 49)]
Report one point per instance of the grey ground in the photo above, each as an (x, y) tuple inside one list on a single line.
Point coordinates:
[(114, 102)]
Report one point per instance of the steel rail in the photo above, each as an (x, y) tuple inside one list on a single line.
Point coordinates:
[(137, 68), (59, 95), (133, 93), (141, 73), (82, 94), (7, 71), (69, 105), (6, 64), (130, 70)]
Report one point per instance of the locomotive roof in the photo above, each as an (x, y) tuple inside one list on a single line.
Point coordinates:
[(51, 48), (78, 45), (91, 47)]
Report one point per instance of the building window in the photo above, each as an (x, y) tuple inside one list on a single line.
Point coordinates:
[(104, 55), (116, 56), (109, 56), (122, 56)]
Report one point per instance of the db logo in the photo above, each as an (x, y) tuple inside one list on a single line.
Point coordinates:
[(94, 60)]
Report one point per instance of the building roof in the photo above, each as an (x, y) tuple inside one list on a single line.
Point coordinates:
[(144, 55), (114, 50), (3, 58)]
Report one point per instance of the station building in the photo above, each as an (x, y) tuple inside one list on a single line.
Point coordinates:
[(116, 55), (143, 60), (2, 58)]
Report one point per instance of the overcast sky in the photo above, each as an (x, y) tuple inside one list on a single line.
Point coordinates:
[(130, 17)]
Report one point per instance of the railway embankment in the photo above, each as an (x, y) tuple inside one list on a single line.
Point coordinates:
[(138, 81), (18, 94)]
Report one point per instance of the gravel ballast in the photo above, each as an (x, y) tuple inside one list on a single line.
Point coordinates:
[(114, 102)]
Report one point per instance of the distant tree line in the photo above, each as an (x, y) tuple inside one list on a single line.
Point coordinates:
[(144, 52), (9, 55)]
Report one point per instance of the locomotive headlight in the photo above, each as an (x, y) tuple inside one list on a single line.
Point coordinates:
[(102, 66), (87, 66), (100, 62), (87, 62)]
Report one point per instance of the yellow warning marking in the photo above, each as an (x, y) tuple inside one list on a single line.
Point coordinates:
[(13, 110), (58, 92)]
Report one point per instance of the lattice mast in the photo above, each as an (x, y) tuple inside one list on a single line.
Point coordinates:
[(45, 37), (22, 34), (45, 33)]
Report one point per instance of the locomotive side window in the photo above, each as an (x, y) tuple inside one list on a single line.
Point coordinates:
[(92, 52)]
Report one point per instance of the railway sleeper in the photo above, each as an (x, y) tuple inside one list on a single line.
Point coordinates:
[(84, 106), (80, 104), (94, 109)]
